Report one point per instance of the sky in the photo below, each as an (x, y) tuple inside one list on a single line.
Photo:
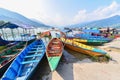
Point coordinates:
[(63, 12)]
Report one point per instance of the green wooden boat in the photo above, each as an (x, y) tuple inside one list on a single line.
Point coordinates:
[(2, 47), (54, 52), (8, 55)]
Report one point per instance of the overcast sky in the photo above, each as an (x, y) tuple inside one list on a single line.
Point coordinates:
[(63, 12)]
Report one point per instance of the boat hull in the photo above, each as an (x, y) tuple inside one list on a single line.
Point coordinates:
[(54, 53), (26, 62), (7, 61), (81, 50), (53, 62), (4, 67), (90, 41)]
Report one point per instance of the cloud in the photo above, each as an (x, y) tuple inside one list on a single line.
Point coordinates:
[(40, 10), (55, 20), (82, 16), (44, 12), (99, 13)]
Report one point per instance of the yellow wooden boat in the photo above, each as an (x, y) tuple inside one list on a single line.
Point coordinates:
[(82, 48)]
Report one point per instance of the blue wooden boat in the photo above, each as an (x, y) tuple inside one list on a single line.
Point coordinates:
[(26, 62), (8, 54), (92, 37)]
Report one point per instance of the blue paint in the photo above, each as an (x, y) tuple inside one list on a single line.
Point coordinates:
[(25, 63), (98, 50)]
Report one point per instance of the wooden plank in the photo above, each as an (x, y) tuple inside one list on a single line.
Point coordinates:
[(8, 56), (38, 45), (35, 51), (27, 62), (34, 55), (37, 48)]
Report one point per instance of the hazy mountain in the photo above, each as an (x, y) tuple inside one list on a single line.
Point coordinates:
[(108, 22), (14, 17)]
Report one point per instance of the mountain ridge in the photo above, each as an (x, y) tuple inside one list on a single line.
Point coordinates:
[(14, 17), (113, 21)]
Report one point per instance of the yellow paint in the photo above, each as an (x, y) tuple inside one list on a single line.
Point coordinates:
[(63, 39), (70, 41), (80, 40)]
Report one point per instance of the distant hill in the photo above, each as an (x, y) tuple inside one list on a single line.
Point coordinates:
[(108, 22), (14, 17)]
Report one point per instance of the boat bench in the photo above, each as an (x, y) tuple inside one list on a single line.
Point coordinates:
[(54, 52), (37, 48), (56, 42), (27, 62), (34, 55), (35, 51), (38, 45), (8, 55)]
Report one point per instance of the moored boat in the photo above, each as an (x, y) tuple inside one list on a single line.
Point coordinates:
[(90, 41), (26, 62), (82, 48), (8, 54), (54, 52), (2, 47), (93, 37)]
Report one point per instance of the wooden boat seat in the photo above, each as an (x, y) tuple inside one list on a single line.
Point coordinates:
[(55, 42), (19, 49), (37, 48), (27, 62), (37, 45), (54, 52), (55, 48), (8, 56), (34, 55), (35, 51), (51, 51)]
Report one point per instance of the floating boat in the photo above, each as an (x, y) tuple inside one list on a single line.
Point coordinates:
[(54, 52), (82, 48), (26, 62)]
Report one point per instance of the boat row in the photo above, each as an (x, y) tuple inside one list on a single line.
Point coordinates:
[(26, 58)]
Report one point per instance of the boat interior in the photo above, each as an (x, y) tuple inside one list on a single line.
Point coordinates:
[(55, 47), (26, 62), (10, 52)]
